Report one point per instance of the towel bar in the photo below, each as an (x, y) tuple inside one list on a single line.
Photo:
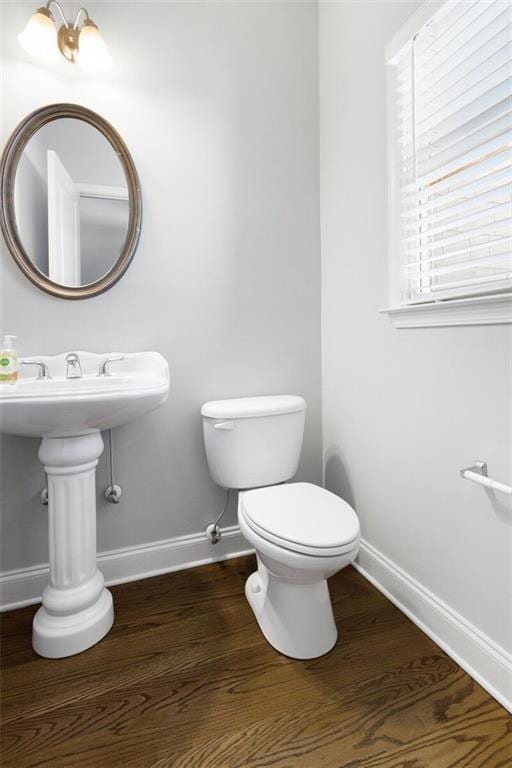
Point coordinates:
[(478, 474)]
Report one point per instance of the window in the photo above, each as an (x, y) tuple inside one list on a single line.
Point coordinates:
[(450, 98)]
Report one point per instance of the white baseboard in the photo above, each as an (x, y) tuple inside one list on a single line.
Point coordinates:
[(486, 662), (25, 585)]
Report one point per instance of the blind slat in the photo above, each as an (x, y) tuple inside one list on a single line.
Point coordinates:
[(502, 263), (493, 146), (499, 243), (441, 80), (473, 172), (432, 99), (498, 213), (472, 142), (474, 72), (481, 22), (481, 34), (500, 110), (482, 282), (453, 117), (492, 188)]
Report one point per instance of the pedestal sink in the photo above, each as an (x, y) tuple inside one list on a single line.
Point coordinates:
[(69, 414)]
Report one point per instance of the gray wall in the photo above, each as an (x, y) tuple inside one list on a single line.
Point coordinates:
[(103, 228), (218, 105), (404, 410)]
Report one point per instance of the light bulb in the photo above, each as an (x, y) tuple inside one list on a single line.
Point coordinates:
[(39, 38), (93, 54)]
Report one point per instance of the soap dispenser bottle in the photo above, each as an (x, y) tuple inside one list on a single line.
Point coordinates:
[(8, 361)]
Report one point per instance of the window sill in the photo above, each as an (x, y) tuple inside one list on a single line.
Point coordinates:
[(478, 310)]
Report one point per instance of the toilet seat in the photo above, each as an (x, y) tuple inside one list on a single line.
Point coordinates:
[(301, 517)]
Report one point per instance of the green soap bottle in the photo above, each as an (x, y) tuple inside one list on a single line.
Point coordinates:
[(8, 361)]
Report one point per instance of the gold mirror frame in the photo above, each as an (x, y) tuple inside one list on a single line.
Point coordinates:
[(8, 167)]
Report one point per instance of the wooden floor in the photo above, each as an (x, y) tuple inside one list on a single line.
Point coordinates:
[(185, 679)]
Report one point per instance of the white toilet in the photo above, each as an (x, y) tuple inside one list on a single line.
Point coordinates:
[(302, 533)]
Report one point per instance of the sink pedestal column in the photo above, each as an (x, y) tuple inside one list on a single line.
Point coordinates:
[(76, 610)]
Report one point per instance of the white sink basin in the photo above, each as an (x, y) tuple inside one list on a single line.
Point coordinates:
[(61, 407), (69, 414)]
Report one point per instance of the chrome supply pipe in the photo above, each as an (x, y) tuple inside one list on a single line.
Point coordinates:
[(213, 531), (113, 492)]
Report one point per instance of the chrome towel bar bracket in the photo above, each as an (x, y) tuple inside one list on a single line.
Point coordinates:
[(477, 473)]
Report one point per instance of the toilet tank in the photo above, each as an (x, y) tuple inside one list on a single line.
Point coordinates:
[(253, 441)]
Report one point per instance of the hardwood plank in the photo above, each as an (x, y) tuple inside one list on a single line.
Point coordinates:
[(186, 679), (385, 721), (181, 696), (147, 652)]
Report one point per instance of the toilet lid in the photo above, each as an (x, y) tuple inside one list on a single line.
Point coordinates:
[(301, 515)]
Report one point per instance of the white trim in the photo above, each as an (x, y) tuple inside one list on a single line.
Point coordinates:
[(489, 664), (102, 191), (477, 310), (486, 662), (393, 196), (24, 586)]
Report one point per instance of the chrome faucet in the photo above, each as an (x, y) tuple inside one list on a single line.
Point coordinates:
[(74, 367), (104, 367)]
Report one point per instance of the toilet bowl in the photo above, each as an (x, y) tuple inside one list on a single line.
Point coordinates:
[(302, 533)]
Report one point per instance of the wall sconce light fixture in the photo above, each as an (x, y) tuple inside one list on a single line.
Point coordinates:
[(82, 45)]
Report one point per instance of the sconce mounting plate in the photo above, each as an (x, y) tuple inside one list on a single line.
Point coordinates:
[(67, 38)]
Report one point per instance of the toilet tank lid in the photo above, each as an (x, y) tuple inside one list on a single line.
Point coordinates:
[(246, 407)]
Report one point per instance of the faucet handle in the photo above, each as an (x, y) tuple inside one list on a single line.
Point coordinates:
[(103, 371), (43, 372)]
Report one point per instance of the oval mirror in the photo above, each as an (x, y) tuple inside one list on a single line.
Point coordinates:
[(70, 201)]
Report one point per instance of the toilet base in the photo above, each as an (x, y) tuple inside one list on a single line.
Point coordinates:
[(295, 618)]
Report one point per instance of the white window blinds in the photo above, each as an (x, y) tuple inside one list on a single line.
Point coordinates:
[(453, 120)]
